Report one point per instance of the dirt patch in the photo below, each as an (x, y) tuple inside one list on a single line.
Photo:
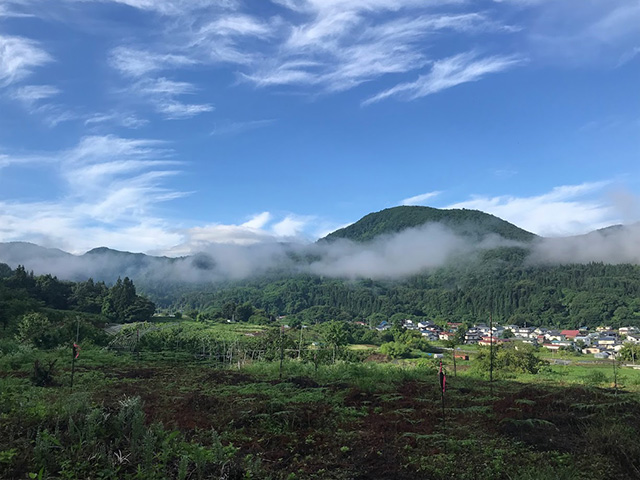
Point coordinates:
[(377, 357), (135, 373), (226, 377), (303, 382)]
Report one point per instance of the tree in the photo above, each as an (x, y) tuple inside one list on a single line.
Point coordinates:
[(5, 270), (123, 305), (35, 329), (395, 349), (244, 312), (510, 358), (335, 334), (508, 334), (629, 352), (228, 310)]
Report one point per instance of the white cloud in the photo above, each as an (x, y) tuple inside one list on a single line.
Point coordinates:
[(18, 57), (111, 188), (420, 199), (342, 47), (565, 210), (291, 226), (234, 128), (128, 120), (30, 94), (174, 110), (7, 11), (258, 221), (163, 94), (598, 32), (176, 7), (135, 62), (447, 73)]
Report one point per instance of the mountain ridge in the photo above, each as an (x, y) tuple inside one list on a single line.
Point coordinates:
[(467, 223)]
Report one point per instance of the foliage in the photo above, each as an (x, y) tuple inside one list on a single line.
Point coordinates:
[(510, 358), (392, 220), (566, 296), (629, 352), (122, 304), (395, 349), (35, 329)]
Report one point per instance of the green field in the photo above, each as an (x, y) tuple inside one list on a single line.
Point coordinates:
[(146, 414)]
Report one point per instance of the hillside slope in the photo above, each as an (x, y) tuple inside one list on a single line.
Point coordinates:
[(469, 223)]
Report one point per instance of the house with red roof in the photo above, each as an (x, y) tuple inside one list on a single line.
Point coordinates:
[(570, 334)]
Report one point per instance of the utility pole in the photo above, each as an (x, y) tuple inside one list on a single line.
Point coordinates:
[(491, 353), (300, 345), (74, 350), (615, 374), (281, 349)]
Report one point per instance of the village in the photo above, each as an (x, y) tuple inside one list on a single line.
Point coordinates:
[(603, 343)]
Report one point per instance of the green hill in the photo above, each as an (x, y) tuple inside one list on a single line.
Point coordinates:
[(469, 223)]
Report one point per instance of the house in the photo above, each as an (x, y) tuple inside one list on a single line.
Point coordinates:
[(591, 350), (554, 347), (602, 329), (453, 326), (602, 355), (633, 337), (554, 335), (384, 325), (409, 325), (524, 332), (627, 330), (570, 334), (606, 341), (430, 336), (472, 337), (584, 339), (609, 333), (447, 336), (488, 340), (462, 356)]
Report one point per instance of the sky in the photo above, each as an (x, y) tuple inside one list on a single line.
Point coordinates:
[(164, 126)]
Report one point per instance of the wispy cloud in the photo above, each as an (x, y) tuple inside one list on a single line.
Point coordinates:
[(7, 12), (135, 62), (124, 119), (178, 7), (420, 199), (162, 93), (565, 210), (110, 186), (447, 73), (235, 128), (18, 57), (31, 94), (345, 45)]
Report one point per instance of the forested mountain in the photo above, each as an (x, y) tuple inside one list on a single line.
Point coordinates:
[(511, 291), (469, 223), (519, 278)]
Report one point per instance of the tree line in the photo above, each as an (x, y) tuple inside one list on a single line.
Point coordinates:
[(513, 292), (45, 311)]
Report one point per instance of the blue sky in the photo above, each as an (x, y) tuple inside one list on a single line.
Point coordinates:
[(165, 125)]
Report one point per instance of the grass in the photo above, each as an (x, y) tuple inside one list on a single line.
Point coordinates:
[(182, 418)]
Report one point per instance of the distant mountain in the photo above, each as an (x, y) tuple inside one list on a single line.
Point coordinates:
[(16, 252), (469, 223)]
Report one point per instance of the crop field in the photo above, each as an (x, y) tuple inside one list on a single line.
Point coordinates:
[(171, 416)]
